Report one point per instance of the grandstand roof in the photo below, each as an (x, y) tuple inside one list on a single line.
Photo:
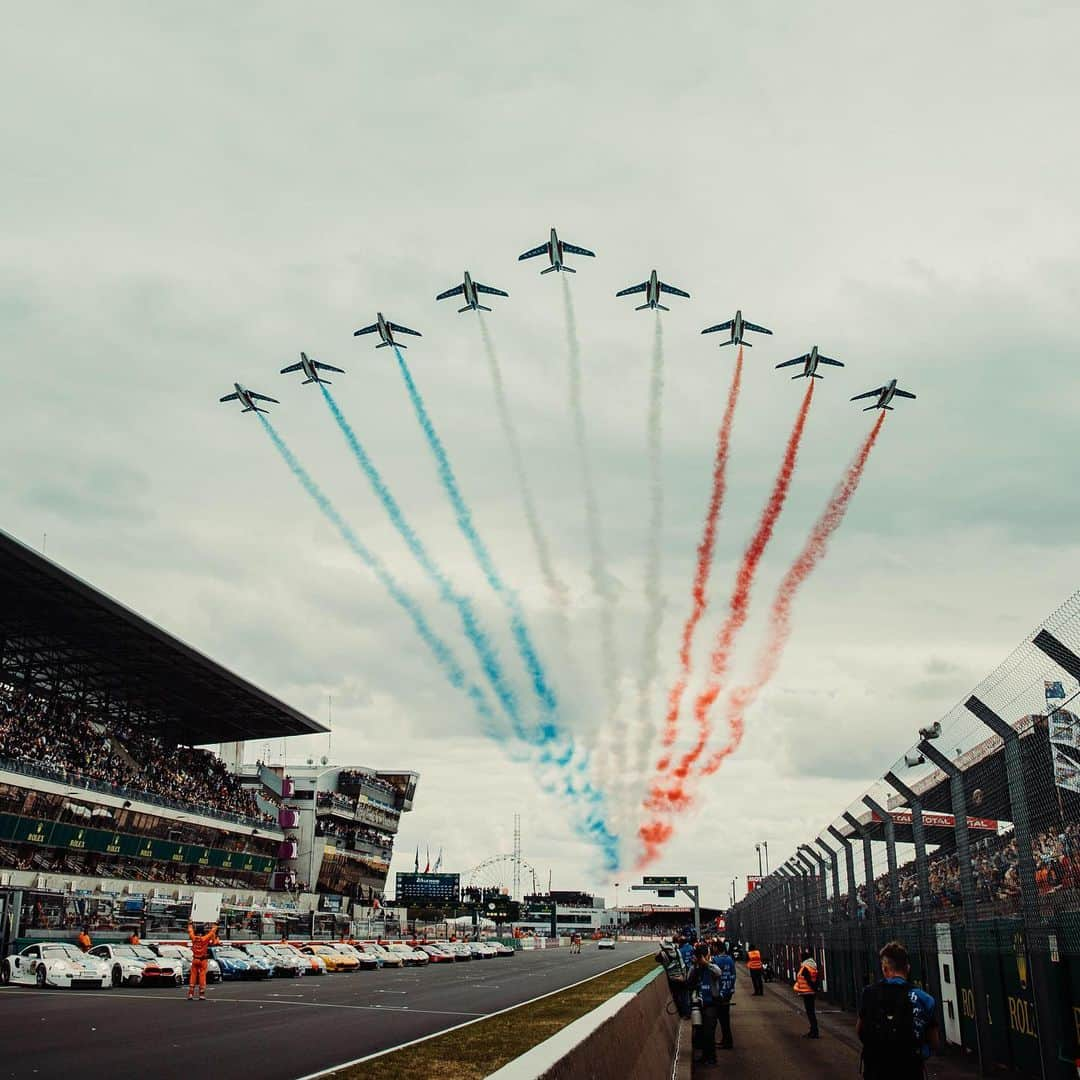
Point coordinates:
[(67, 632)]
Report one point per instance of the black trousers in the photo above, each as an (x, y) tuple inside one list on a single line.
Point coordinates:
[(708, 1034), (810, 1004), (755, 978), (723, 1018)]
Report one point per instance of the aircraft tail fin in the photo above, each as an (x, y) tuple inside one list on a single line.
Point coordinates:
[(398, 345), (662, 308), (723, 343), (548, 270), (801, 375), (383, 345), (889, 407), (747, 344), (815, 375), (480, 307), (462, 310), (642, 308), (568, 269), (869, 407)]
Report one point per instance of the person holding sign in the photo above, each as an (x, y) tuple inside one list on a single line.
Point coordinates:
[(200, 956)]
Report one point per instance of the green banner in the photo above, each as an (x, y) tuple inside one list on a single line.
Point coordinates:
[(52, 834)]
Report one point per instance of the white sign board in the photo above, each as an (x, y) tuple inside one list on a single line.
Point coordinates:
[(206, 907)]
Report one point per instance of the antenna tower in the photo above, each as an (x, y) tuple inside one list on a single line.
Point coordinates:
[(517, 857)]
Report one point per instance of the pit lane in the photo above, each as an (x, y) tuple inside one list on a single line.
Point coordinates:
[(279, 1029)]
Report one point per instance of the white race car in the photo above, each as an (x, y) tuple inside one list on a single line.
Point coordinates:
[(55, 964), (138, 965), (606, 943)]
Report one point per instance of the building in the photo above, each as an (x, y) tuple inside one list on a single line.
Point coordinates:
[(106, 792), (573, 911)]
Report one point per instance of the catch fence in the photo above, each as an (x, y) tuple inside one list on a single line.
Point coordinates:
[(968, 851)]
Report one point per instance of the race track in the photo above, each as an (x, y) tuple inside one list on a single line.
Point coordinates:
[(276, 1030)]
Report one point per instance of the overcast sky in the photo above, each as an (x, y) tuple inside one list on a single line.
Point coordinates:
[(191, 196)]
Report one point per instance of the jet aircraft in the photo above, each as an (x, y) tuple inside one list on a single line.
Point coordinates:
[(555, 249), (386, 332), (652, 290), (247, 398), (810, 363), (311, 369), (738, 327), (469, 289), (884, 395)]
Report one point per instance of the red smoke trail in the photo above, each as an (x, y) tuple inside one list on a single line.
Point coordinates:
[(676, 796), (704, 563), (780, 619)]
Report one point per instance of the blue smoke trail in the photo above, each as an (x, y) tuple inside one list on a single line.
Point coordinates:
[(439, 649), (555, 748), (593, 824), (480, 641), (549, 731)]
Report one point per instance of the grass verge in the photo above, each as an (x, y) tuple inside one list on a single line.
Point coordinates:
[(479, 1049)]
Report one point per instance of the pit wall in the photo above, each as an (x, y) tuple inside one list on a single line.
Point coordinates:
[(632, 1036)]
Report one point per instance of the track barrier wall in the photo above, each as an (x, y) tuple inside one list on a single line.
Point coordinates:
[(632, 1036), (967, 851)]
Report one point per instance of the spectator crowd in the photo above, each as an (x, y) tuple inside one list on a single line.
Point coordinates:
[(56, 735)]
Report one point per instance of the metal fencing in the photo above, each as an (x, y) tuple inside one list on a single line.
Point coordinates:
[(968, 851)]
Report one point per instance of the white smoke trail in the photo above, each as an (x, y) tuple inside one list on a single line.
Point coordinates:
[(598, 570), (637, 748), (556, 587)]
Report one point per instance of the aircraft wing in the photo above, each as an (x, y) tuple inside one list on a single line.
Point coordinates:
[(404, 329), (869, 393), (633, 289), (366, 330), (797, 360), (490, 290), (575, 250), (295, 367), (263, 397), (328, 367), (457, 290), (532, 252), (903, 393), (754, 326), (230, 397), (664, 287), (829, 360), (720, 326)]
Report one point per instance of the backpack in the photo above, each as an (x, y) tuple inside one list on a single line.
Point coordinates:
[(890, 1049)]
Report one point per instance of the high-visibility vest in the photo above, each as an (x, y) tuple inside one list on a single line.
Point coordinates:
[(805, 981), (753, 960), (200, 944)]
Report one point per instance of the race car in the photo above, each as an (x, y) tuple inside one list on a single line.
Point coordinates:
[(236, 965), (365, 961), (315, 964), (606, 943), (290, 965), (135, 965), (183, 954), (385, 957), (334, 960), (413, 957), (55, 964), (502, 949)]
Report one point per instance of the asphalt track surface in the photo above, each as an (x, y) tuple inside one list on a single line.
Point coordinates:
[(279, 1029)]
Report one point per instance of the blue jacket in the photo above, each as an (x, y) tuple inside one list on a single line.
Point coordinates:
[(725, 966)]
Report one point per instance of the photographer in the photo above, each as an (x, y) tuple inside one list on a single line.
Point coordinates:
[(705, 982), (671, 959)]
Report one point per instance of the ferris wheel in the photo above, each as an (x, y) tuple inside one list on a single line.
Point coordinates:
[(500, 872)]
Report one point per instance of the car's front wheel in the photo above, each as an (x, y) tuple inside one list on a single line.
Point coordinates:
[(5, 972), (117, 977), (41, 976), (178, 979)]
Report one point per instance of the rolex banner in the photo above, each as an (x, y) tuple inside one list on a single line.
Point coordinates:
[(1064, 738)]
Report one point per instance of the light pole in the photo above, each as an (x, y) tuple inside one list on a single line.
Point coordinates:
[(765, 845), (617, 919), (757, 848)]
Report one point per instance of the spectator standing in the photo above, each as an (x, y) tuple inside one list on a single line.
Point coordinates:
[(806, 985), (754, 966), (84, 939), (705, 978), (725, 991), (896, 1022)]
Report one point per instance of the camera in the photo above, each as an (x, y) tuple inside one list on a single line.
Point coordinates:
[(913, 758), (931, 732)]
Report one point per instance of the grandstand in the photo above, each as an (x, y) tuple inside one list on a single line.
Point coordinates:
[(105, 786)]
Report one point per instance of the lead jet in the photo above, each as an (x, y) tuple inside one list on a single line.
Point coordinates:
[(738, 327), (810, 363), (386, 332), (555, 249), (311, 369), (248, 398), (652, 290), (469, 289), (884, 395)]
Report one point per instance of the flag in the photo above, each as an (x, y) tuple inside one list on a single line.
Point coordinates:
[(438, 861), (427, 865), (416, 865)]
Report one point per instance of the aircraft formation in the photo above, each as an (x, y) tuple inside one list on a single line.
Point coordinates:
[(556, 251)]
